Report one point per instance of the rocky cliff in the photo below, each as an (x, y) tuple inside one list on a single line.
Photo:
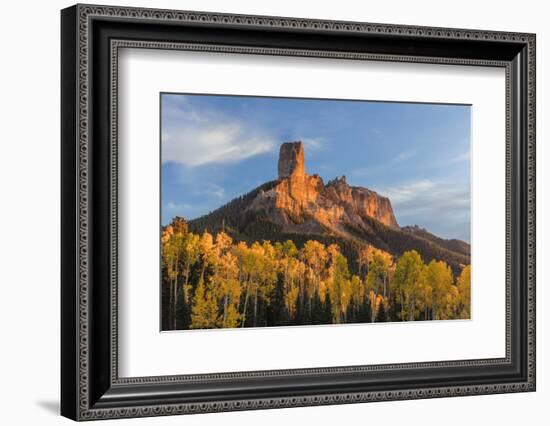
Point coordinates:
[(304, 203)]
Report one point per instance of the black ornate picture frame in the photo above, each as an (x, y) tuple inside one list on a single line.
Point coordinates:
[(90, 39)]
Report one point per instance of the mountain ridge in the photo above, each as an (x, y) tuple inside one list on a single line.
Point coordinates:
[(300, 206)]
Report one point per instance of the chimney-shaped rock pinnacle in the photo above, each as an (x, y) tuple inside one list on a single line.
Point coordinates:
[(291, 160)]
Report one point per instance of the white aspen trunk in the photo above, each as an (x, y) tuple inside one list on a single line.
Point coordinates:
[(224, 309), (202, 271), (255, 305), (373, 310), (411, 310), (402, 305), (186, 283), (245, 305), (175, 300), (170, 303)]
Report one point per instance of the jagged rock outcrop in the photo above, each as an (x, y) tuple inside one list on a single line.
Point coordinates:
[(303, 203)]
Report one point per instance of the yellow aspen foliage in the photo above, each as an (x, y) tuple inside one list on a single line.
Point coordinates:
[(463, 284), (211, 281), (205, 308)]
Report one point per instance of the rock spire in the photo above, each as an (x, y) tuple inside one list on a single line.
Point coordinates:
[(291, 160)]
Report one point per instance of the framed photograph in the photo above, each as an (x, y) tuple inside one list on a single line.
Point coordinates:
[(263, 212)]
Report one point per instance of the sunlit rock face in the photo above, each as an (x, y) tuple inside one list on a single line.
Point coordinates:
[(291, 160), (303, 203), (363, 201)]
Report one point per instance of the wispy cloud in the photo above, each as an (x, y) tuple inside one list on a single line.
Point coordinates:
[(404, 155), (313, 144), (376, 131), (464, 156), (211, 190), (442, 207), (171, 209), (194, 137), (176, 206), (391, 162)]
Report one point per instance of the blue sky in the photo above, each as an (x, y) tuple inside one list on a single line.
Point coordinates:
[(215, 148)]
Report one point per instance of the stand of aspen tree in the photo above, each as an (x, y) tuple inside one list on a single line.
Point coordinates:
[(211, 281)]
